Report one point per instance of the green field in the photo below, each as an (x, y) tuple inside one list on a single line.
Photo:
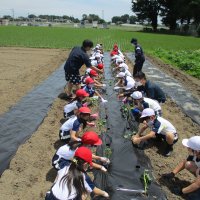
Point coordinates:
[(60, 37)]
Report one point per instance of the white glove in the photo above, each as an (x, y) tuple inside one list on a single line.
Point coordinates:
[(78, 139), (103, 169), (105, 160), (105, 194), (103, 100), (116, 87)]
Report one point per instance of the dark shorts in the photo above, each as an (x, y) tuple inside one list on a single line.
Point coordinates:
[(75, 79)]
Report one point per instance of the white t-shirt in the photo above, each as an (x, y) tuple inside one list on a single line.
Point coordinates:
[(162, 126), (71, 124), (129, 83), (60, 190), (70, 107), (152, 104), (124, 65)]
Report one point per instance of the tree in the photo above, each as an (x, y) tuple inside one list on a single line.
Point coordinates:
[(147, 10), (133, 19), (84, 17), (124, 18), (31, 16), (116, 19), (170, 10)]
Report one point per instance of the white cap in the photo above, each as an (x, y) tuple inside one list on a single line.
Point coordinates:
[(92, 57), (136, 95), (88, 70), (193, 143), (130, 85), (120, 75), (119, 60), (94, 63), (124, 65), (147, 112)]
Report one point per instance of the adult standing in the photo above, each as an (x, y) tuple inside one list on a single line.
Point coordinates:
[(77, 58), (139, 57)]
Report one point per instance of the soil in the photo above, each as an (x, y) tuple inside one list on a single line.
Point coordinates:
[(30, 174), (22, 69)]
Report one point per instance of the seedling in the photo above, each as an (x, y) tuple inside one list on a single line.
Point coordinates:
[(125, 111), (101, 123), (107, 152), (146, 180), (93, 101)]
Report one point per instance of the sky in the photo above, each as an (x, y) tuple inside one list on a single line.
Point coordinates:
[(75, 8)]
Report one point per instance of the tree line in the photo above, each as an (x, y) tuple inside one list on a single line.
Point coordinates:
[(171, 12)]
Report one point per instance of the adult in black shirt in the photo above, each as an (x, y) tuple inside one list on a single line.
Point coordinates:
[(151, 90), (77, 58), (139, 57)]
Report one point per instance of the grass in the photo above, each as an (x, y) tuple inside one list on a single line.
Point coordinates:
[(58, 37), (159, 45)]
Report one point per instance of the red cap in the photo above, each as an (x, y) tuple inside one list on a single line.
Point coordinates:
[(100, 66), (81, 93), (84, 110), (93, 73), (91, 137), (89, 80), (84, 154)]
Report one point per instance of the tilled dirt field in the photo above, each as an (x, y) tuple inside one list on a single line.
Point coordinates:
[(23, 68), (30, 174)]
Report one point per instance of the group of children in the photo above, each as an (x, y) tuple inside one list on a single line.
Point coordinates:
[(145, 100), (77, 154)]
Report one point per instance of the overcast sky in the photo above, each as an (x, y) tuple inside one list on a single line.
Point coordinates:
[(73, 8)]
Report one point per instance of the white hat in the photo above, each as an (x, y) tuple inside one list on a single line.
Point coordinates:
[(119, 60), (94, 63), (130, 85), (193, 143), (147, 112), (120, 75), (92, 57), (136, 95), (124, 65)]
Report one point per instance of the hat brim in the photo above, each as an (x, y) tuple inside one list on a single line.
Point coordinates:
[(86, 95), (143, 116), (99, 142), (185, 142)]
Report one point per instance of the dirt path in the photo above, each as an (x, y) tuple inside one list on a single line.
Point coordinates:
[(23, 68)]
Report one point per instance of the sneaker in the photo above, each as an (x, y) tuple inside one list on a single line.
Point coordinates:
[(168, 151)]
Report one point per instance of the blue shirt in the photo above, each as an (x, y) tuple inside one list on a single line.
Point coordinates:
[(77, 58), (89, 90)]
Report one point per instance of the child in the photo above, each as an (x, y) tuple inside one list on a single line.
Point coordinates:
[(125, 82), (192, 164), (160, 128), (142, 102), (89, 88), (71, 109), (65, 153), (72, 182), (69, 130)]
